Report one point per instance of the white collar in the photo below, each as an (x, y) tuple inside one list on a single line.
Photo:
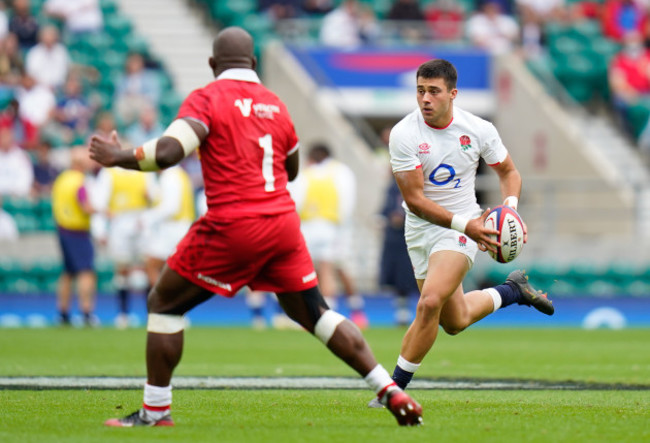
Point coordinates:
[(242, 74)]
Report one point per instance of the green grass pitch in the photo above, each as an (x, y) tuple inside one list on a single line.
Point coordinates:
[(610, 401)]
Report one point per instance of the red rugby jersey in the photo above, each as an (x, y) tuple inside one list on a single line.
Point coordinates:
[(243, 156)]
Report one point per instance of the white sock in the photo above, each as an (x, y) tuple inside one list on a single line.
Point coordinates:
[(407, 365), (157, 400), (496, 297), (355, 302), (378, 379)]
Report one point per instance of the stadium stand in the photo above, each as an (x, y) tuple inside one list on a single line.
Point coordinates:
[(572, 69)]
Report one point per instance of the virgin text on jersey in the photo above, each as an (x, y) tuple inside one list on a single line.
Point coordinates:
[(261, 110)]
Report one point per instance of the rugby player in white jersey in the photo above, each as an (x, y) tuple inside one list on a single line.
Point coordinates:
[(435, 151)]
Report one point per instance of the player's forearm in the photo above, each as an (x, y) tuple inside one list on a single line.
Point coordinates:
[(510, 185), (429, 211)]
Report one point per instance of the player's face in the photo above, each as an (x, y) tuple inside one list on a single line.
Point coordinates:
[(435, 101)]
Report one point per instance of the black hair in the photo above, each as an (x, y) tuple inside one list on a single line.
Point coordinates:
[(439, 68), (319, 152)]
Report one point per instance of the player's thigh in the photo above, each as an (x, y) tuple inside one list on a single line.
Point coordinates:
[(174, 294), (445, 274)]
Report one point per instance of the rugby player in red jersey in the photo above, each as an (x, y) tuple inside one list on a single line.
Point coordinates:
[(250, 234)]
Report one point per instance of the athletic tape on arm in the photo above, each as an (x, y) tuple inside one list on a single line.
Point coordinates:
[(146, 156), (327, 324), (165, 323), (183, 132)]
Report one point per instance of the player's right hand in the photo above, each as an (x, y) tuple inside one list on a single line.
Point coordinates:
[(486, 238), (105, 151)]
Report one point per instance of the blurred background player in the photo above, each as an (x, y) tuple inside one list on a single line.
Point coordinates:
[(72, 210), (168, 220), (325, 195), (121, 197), (396, 270)]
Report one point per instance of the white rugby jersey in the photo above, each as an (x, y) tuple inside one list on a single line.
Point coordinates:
[(448, 157)]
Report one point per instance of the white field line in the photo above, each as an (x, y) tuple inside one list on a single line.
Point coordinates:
[(294, 383)]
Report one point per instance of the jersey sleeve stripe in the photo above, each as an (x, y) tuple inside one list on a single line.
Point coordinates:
[(294, 149), (200, 122)]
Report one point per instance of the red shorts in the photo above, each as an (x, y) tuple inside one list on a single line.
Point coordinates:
[(267, 253)]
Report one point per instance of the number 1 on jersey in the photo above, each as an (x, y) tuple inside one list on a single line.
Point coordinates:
[(266, 143)]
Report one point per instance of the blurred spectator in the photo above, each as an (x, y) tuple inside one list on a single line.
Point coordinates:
[(72, 210), (26, 134), (79, 16), (341, 27), (493, 30), (24, 25), (104, 124), (622, 16), (280, 9), (73, 112), (48, 62), (629, 76), (36, 102), (44, 171), (146, 128), (405, 10), (16, 173), (534, 14), (8, 227), (4, 20), (11, 61), (446, 19), (317, 7), (136, 89)]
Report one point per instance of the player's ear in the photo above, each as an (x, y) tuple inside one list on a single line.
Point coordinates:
[(213, 63), (254, 62), (454, 93)]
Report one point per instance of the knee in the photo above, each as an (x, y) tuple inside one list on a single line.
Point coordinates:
[(429, 305)]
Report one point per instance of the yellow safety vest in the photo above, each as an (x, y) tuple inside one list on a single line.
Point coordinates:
[(67, 210), (321, 198)]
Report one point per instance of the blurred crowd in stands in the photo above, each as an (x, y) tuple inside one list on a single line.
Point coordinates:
[(620, 80), (50, 100)]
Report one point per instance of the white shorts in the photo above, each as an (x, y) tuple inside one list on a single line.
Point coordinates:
[(424, 241), (162, 239), (126, 241), (321, 237)]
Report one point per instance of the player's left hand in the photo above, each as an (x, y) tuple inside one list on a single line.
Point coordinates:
[(483, 236), (105, 151)]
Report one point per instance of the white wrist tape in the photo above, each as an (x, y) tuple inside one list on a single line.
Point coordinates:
[(511, 201), (146, 156), (327, 324), (165, 323), (183, 132), (459, 223)]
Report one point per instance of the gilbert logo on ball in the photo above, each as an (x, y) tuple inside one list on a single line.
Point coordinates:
[(511, 238)]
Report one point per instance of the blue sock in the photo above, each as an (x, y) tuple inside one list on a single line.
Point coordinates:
[(402, 377), (509, 294), (257, 312)]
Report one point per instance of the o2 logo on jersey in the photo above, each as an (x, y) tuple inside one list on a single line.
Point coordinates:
[(244, 106), (444, 174)]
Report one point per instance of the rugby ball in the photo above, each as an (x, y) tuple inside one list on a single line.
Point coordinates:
[(511, 233)]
